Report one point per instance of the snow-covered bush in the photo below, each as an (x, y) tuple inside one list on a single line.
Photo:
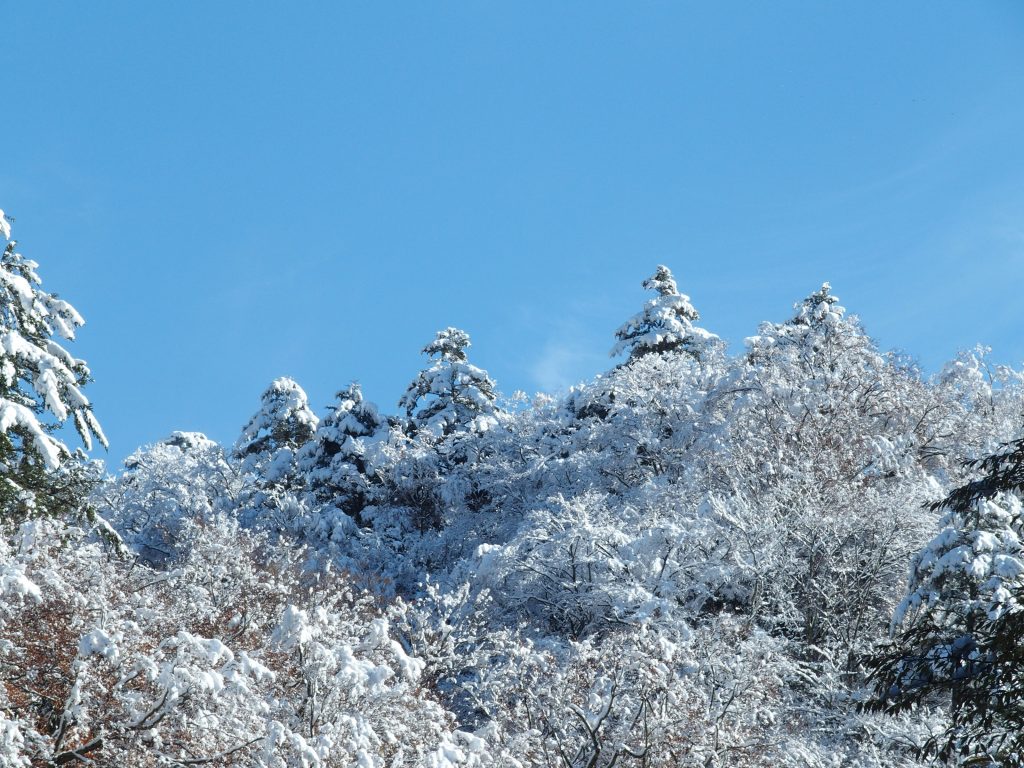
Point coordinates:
[(163, 486), (231, 658)]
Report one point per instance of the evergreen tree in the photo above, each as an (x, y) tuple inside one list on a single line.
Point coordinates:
[(270, 439), (665, 324), (334, 461), (40, 388), (452, 395), (821, 307), (959, 632), (813, 339), (266, 454)]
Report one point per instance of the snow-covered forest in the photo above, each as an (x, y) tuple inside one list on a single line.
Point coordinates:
[(807, 553)]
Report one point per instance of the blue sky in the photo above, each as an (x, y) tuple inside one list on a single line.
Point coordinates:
[(234, 192)]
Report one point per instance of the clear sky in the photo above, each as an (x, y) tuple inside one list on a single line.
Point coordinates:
[(235, 192)]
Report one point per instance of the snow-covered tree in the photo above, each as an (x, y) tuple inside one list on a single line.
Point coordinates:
[(334, 461), (959, 632), (452, 394), (185, 477), (814, 469), (667, 323), (40, 386), (266, 453), (282, 425), (819, 332)]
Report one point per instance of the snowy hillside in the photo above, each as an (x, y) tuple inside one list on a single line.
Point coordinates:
[(784, 557)]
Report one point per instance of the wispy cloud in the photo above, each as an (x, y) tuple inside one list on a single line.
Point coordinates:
[(560, 365), (575, 350)]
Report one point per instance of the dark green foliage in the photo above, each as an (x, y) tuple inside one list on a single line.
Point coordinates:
[(964, 645), (40, 389)]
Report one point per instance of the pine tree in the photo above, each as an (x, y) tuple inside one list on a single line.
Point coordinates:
[(959, 632), (821, 307), (334, 461), (452, 395), (270, 439), (266, 453), (665, 324), (818, 333), (40, 388)]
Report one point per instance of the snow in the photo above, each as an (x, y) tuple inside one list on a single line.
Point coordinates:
[(17, 415), (96, 642), (14, 582), (294, 628), (21, 289), (12, 742)]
